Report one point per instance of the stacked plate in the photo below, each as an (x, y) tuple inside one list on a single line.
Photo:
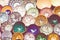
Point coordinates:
[(29, 20)]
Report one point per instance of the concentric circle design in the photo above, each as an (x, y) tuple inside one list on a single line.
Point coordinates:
[(46, 29), (41, 20), (57, 29), (53, 37), (17, 36), (29, 36)]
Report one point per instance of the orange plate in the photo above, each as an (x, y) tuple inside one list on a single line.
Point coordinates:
[(57, 10), (17, 36), (53, 36), (6, 8)]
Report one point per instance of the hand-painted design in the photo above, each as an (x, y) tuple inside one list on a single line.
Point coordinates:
[(53, 36), (8, 27), (21, 10), (29, 5), (57, 29), (41, 20), (17, 36), (57, 10), (33, 29), (40, 37), (46, 29), (14, 17), (47, 12), (28, 20), (54, 19), (19, 27), (6, 35), (14, 3), (3, 17), (29, 36), (33, 11)]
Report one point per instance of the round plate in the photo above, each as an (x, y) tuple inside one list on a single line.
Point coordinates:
[(5, 8), (47, 12), (57, 10), (57, 29), (4, 2), (55, 2), (6, 35), (33, 29), (17, 36), (14, 3), (3, 26), (21, 10), (54, 19), (14, 17), (46, 29), (3, 17), (43, 4), (19, 27), (40, 37), (29, 36), (28, 20), (8, 27), (53, 37), (33, 11), (41, 20), (29, 5)]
